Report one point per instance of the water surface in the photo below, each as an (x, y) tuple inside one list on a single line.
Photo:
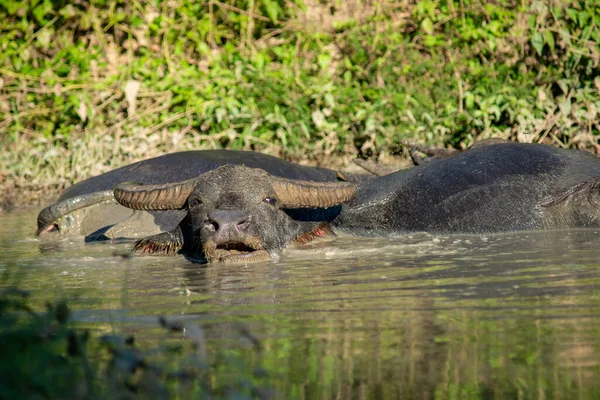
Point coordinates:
[(423, 316)]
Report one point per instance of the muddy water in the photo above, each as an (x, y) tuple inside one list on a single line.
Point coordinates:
[(506, 316)]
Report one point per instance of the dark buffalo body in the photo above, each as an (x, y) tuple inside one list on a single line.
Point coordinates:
[(487, 189), (160, 170), (233, 213), (495, 188), (189, 164)]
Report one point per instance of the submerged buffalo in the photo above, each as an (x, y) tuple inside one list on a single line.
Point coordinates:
[(236, 213), (239, 214), (88, 208)]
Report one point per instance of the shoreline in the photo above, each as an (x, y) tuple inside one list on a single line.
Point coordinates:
[(14, 195), (20, 198)]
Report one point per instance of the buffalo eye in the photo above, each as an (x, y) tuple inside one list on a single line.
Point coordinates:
[(194, 203), (270, 200)]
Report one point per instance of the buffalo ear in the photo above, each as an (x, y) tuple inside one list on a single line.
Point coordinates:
[(170, 196), (307, 194)]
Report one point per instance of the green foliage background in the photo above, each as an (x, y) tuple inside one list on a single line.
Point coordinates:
[(90, 85)]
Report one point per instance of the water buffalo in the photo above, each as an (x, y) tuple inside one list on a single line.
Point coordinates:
[(88, 207), (238, 214)]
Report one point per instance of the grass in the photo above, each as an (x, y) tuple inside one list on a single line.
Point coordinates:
[(87, 88)]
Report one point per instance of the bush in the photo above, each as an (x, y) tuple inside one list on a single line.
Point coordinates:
[(89, 86)]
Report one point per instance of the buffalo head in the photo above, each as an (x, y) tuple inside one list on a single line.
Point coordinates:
[(235, 214)]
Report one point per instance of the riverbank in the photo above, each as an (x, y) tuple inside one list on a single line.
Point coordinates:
[(84, 90)]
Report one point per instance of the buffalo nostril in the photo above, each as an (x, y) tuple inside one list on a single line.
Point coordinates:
[(243, 225), (211, 226), (227, 221)]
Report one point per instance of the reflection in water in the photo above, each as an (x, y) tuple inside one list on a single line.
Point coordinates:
[(513, 315)]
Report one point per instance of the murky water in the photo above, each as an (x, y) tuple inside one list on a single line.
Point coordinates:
[(505, 316)]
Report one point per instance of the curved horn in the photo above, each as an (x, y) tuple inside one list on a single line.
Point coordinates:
[(170, 196), (308, 194), (50, 214)]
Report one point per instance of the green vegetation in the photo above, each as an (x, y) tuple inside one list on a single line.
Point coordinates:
[(40, 356), (88, 86)]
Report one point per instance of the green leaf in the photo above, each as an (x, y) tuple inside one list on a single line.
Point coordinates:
[(45, 37), (495, 110), (537, 42), (565, 106), (68, 11), (549, 39), (564, 85), (329, 100), (532, 21), (272, 9), (42, 10), (427, 25), (469, 101), (347, 77), (300, 3), (572, 14), (13, 6), (324, 60), (583, 17)]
